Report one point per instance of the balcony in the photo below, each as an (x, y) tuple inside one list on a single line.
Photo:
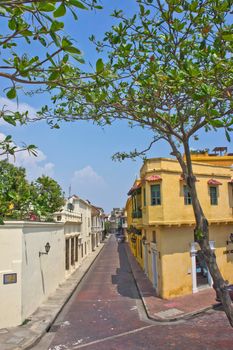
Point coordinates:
[(68, 216)]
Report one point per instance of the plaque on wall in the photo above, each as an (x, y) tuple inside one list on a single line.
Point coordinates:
[(9, 278)]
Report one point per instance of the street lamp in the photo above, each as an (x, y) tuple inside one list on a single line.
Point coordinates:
[(47, 249)]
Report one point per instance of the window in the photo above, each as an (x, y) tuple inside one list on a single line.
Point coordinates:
[(140, 248), (154, 236), (144, 196), (187, 196), (213, 195), (155, 195)]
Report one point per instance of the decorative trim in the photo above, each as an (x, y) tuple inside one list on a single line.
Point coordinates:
[(214, 182)]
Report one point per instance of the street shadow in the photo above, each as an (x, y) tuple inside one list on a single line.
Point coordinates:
[(124, 278)]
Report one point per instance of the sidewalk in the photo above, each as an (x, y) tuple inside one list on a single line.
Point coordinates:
[(24, 336), (164, 310)]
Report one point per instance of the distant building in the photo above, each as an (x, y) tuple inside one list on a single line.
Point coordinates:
[(116, 220), (97, 226)]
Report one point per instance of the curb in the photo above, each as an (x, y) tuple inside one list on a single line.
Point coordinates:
[(185, 316)]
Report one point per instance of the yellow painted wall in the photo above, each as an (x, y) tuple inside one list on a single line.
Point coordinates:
[(214, 160), (220, 234), (176, 261), (139, 255)]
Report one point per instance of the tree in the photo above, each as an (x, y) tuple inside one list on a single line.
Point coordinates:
[(168, 70), (35, 52), (47, 197), (19, 198), (15, 192)]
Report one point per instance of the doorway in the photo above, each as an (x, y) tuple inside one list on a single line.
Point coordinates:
[(154, 269), (201, 271)]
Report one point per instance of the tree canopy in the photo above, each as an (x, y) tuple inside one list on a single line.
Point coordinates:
[(47, 196), (19, 199), (168, 69), (14, 191), (36, 52)]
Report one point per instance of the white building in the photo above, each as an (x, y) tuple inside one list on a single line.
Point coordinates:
[(97, 226), (76, 216)]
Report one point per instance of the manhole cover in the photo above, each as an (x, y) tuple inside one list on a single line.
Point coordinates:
[(169, 313)]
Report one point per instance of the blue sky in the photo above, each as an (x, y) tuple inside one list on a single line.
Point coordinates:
[(79, 154)]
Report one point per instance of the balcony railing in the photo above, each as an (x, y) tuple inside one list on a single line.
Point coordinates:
[(68, 216), (137, 214)]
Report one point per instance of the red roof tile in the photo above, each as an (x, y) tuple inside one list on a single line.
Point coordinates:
[(134, 188), (214, 182), (154, 178)]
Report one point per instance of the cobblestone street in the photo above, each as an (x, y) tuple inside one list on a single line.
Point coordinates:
[(106, 313)]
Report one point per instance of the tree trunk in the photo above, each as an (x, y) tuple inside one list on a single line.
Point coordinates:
[(201, 234)]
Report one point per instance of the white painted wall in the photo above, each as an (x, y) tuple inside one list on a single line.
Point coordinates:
[(37, 277), (85, 210), (41, 275), (10, 262)]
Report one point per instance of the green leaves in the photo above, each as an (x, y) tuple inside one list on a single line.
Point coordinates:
[(228, 36), (11, 94), (227, 136), (72, 49), (56, 26), (46, 6), (10, 120), (217, 123), (18, 198), (99, 66), (60, 11), (78, 4)]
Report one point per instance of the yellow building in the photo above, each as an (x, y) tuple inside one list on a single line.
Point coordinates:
[(161, 225)]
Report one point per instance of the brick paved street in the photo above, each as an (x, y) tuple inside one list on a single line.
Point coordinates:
[(106, 313)]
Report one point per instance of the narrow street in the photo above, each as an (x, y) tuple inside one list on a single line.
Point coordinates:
[(106, 313)]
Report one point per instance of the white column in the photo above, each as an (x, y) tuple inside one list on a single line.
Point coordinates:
[(193, 252), (210, 280), (154, 268)]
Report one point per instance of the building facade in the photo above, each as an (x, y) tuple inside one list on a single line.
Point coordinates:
[(116, 220), (76, 216), (161, 225), (97, 226)]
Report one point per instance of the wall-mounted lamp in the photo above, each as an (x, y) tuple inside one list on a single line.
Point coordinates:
[(231, 239), (47, 249)]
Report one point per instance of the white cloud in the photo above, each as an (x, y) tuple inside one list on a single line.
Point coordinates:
[(87, 175), (87, 184), (14, 107), (2, 136), (35, 166)]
